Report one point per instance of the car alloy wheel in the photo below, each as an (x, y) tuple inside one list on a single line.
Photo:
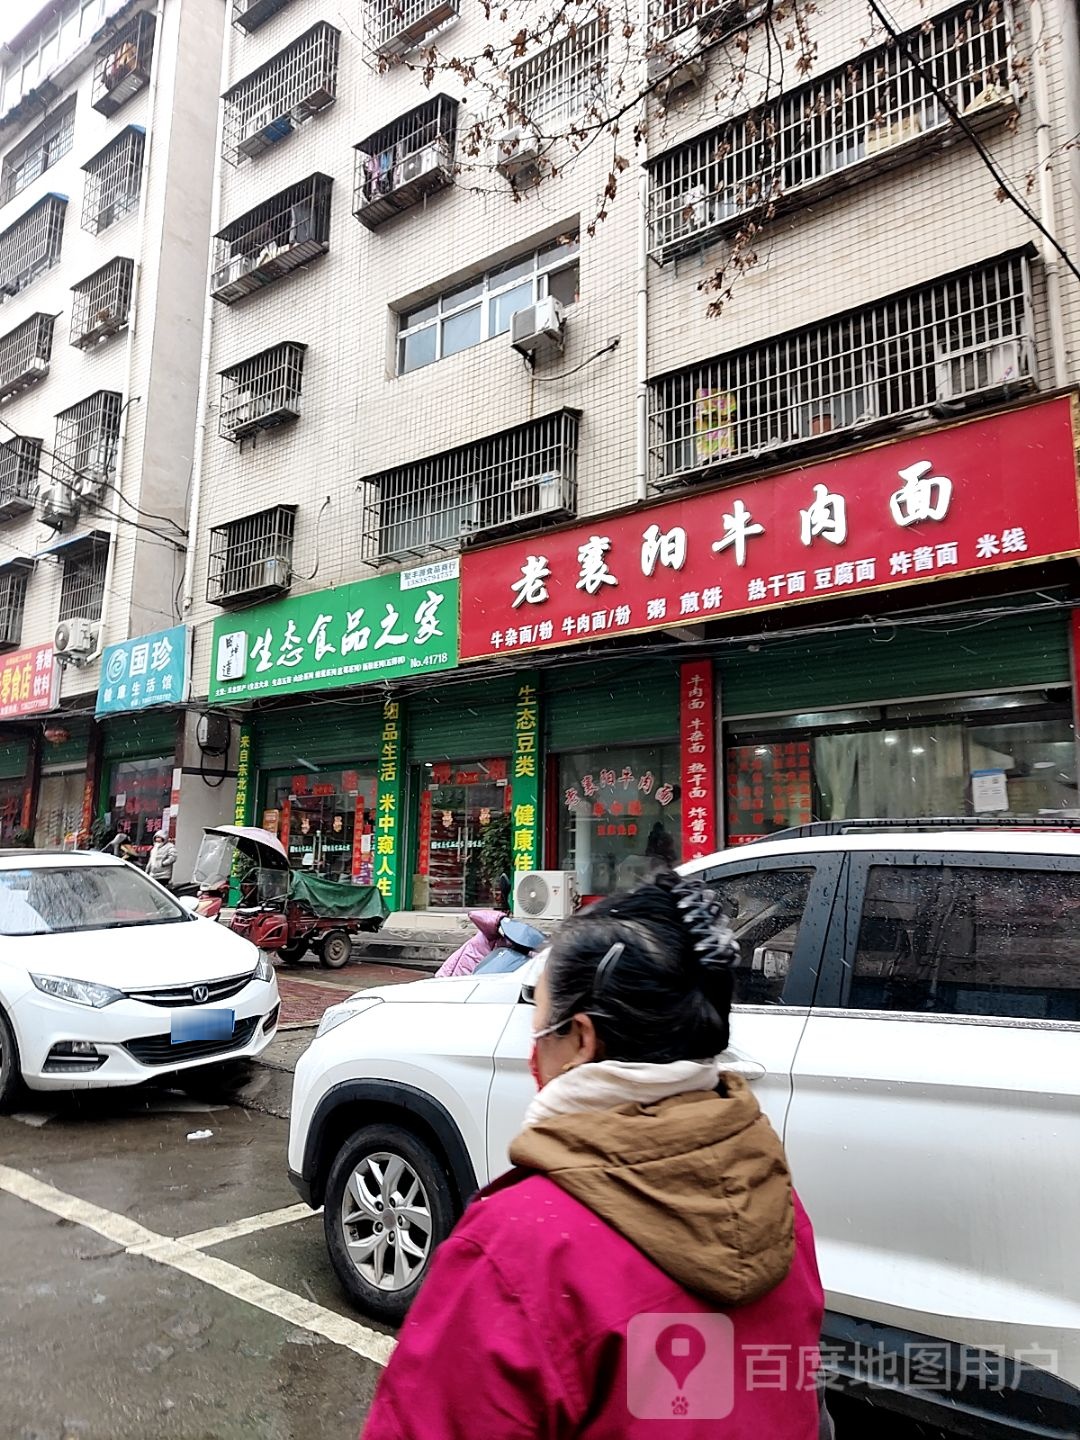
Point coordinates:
[(386, 1221)]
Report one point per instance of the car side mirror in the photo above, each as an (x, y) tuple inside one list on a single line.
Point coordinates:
[(773, 964)]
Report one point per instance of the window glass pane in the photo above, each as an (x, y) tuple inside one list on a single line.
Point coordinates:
[(558, 250), (563, 284), (417, 350), (508, 304), (64, 901), (464, 831), (620, 816), (462, 295), (513, 270), (969, 940), (460, 331), (420, 315), (1038, 759), (765, 909)]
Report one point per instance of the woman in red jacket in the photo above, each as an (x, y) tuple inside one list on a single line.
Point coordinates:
[(646, 1269)]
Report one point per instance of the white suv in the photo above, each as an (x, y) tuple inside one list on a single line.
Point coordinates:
[(911, 1019)]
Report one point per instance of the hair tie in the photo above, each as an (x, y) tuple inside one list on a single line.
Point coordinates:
[(702, 913)]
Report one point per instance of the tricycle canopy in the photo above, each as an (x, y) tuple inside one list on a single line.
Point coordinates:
[(221, 844)]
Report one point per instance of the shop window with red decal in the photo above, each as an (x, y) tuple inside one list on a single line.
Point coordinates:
[(324, 820), (769, 787), (463, 841), (620, 815)]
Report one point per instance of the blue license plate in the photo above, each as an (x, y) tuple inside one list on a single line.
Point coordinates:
[(188, 1025)]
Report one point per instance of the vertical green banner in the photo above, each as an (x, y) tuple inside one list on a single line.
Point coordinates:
[(526, 773), (245, 789), (389, 807)]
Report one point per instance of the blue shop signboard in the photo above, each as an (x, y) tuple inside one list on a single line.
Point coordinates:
[(149, 670)]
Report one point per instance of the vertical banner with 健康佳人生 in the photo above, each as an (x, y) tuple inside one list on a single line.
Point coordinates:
[(525, 776)]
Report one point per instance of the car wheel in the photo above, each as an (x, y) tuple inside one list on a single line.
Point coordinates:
[(294, 952), (335, 950), (11, 1085), (388, 1204)]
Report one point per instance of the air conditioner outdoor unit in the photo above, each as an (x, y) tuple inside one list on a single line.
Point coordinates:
[(262, 131), (545, 895), (56, 503), (422, 162), (227, 274), (272, 574), (677, 64), (517, 153), (94, 475), (538, 329), (534, 495), (968, 372), (76, 638)]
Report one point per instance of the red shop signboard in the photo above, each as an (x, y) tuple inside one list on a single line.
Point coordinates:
[(979, 495), (29, 681)]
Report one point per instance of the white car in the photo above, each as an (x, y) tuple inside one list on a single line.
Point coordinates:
[(107, 979), (911, 1020)]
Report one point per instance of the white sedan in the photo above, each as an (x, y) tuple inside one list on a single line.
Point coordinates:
[(106, 979)]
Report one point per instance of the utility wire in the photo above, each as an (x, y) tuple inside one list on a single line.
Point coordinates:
[(958, 119)]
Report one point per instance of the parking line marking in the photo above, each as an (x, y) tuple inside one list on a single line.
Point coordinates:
[(252, 1225), (137, 1240)]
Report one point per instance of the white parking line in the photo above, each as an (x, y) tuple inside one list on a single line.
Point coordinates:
[(252, 1225), (230, 1279)]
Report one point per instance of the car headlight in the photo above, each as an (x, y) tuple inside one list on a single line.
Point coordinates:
[(264, 970), (79, 992), (338, 1014)]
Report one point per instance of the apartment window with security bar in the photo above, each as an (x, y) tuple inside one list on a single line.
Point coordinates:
[(397, 26), (25, 353), (528, 474), (480, 309), (57, 38), (113, 181), (963, 339), (43, 147), (876, 109), (563, 81), (31, 246), (262, 392), (290, 88), (252, 556), (101, 304), (20, 461), (87, 436), (82, 586), (12, 603)]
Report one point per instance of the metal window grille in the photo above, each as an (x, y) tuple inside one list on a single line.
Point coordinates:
[(12, 603), (252, 556), (964, 337), (43, 147), (32, 245), (566, 79), (25, 353), (262, 392), (397, 26), (123, 66), (521, 477), (84, 453), (264, 107), (101, 304), (113, 180), (248, 15), (405, 161), (82, 586), (261, 246), (20, 461), (874, 110)]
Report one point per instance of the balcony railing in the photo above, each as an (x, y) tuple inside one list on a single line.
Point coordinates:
[(123, 66), (874, 112), (46, 144), (566, 79), (519, 479), (397, 26), (101, 304), (20, 461), (714, 18), (248, 15), (86, 440), (25, 353), (31, 246), (12, 603), (113, 180), (260, 247), (263, 392), (252, 557), (405, 161), (265, 107), (962, 339)]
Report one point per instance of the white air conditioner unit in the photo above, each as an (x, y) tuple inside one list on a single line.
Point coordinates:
[(227, 274), (517, 153), (272, 574), (676, 64), (56, 503), (534, 495), (538, 329), (545, 895), (76, 638), (431, 158), (94, 475), (37, 366), (960, 373), (262, 131)]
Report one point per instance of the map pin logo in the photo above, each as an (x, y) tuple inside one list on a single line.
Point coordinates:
[(680, 1349)]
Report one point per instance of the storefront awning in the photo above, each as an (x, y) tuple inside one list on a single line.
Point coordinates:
[(84, 537)]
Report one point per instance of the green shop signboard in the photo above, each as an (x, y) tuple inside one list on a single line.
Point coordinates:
[(379, 629)]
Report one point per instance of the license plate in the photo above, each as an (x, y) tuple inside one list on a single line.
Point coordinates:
[(188, 1025)]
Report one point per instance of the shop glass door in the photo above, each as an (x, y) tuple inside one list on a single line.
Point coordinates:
[(464, 832), (60, 809), (324, 820), (140, 794)]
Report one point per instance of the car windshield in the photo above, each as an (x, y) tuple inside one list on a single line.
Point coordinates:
[(61, 899)]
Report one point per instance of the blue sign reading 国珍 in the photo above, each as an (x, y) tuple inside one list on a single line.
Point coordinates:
[(149, 670)]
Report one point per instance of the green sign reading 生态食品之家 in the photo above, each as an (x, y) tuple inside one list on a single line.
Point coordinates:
[(379, 629)]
